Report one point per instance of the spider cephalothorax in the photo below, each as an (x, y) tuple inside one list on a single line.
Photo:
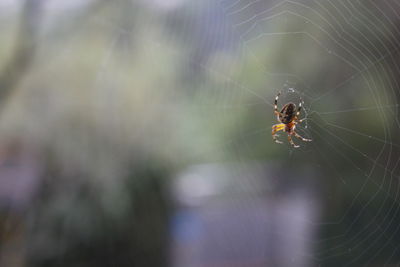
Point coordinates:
[(288, 118)]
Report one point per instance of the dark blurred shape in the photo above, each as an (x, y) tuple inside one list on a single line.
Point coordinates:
[(83, 233), (20, 170)]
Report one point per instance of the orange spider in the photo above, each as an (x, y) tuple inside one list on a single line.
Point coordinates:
[(288, 118)]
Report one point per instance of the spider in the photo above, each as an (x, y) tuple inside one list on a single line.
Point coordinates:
[(288, 118)]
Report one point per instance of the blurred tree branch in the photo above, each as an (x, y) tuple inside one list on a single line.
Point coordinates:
[(25, 47)]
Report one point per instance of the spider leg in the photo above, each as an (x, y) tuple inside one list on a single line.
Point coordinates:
[(298, 113), (298, 110), (302, 138), (278, 115), (276, 102), (276, 128), (276, 111), (291, 141)]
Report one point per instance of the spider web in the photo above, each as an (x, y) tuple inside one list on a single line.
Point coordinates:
[(361, 39), (339, 57), (351, 110)]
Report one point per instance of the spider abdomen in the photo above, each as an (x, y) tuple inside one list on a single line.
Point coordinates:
[(287, 113)]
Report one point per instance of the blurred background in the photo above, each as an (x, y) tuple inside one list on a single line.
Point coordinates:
[(137, 133)]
